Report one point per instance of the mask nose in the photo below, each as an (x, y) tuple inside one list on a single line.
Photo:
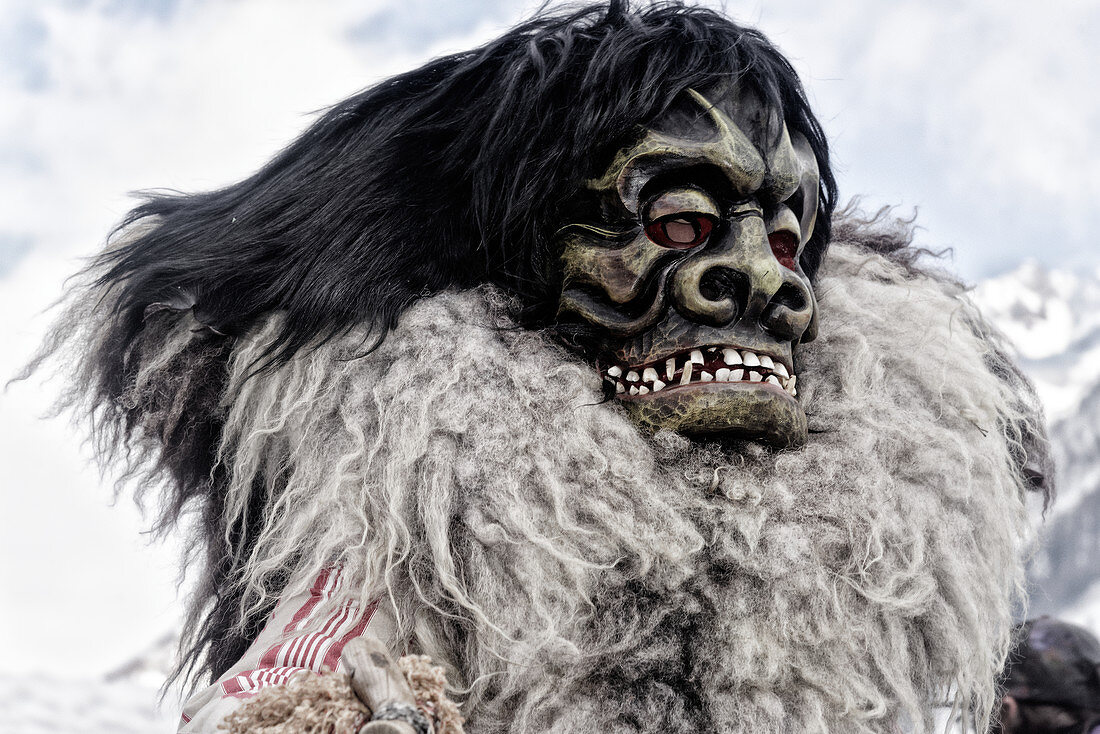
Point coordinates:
[(738, 280)]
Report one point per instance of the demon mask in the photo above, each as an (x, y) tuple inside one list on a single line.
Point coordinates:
[(685, 267)]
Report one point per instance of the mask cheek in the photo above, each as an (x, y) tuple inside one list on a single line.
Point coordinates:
[(617, 287), (808, 193)]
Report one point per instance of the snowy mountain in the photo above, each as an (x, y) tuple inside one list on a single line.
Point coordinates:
[(1053, 320), (1065, 573)]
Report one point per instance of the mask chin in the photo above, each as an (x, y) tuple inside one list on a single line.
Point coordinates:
[(750, 411)]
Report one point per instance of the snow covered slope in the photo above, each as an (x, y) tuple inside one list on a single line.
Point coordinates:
[(124, 701), (41, 704)]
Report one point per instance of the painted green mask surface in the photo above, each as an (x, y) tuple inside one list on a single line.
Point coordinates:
[(689, 272)]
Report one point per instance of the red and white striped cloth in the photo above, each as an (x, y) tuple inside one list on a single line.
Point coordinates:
[(295, 639)]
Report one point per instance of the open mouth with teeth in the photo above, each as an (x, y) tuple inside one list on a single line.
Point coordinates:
[(698, 366)]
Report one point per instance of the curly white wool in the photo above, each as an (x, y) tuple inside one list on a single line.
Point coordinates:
[(579, 576)]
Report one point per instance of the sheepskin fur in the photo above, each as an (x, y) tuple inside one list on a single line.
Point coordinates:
[(327, 704), (306, 704), (573, 574)]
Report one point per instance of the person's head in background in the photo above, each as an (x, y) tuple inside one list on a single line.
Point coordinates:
[(1051, 680)]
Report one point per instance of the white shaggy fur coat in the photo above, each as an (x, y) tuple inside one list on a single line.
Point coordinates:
[(579, 576), (576, 575)]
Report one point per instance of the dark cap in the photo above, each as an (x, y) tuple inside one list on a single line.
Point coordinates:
[(1054, 663)]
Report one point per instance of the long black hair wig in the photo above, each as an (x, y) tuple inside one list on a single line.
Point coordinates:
[(448, 176)]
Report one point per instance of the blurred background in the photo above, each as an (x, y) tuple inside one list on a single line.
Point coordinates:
[(979, 118)]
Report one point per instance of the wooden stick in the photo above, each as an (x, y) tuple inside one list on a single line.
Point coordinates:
[(377, 680)]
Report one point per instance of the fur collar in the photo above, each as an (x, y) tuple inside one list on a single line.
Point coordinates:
[(574, 574), (580, 576)]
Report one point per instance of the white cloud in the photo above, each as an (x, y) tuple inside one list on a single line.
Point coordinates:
[(979, 112)]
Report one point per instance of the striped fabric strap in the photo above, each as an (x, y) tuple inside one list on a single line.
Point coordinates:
[(307, 642)]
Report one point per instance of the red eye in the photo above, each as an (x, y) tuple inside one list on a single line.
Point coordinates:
[(680, 231), (784, 247)]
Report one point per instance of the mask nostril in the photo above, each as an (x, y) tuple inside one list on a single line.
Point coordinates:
[(790, 296), (720, 283)]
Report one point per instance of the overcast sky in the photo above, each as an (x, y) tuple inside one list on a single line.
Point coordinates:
[(984, 115)]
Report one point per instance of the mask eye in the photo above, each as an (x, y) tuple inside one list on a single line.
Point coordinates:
[(680, 231), (784, 247)]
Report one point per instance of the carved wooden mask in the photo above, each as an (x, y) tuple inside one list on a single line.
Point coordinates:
[(687, 268)]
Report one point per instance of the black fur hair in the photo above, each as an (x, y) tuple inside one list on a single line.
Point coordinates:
[(448, 176)]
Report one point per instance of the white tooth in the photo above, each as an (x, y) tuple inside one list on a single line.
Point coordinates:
[(632, 376), (643, 390), (670, 368), (751, 360), (685, 376), (620, 388), (730, 356), (790, 382), (614, 370), (696, 356), (766, 361), (737, 375), (773, 380), (633, 389), (712, 350), (649, 375), (755, 376), (781, 370), (705, 377), (722, 374), (658, 386)]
